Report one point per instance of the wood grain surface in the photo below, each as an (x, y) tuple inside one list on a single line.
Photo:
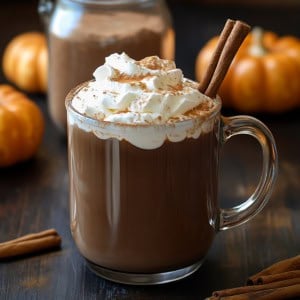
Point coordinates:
[(34, 195)]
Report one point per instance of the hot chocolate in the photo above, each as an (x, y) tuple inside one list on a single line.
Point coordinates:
[(143, 211), (80, 44), (143, 155)]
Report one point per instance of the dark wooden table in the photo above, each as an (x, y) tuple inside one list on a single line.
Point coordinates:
[(34, 195)]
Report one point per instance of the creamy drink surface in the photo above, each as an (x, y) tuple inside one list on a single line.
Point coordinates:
[(143, 155)]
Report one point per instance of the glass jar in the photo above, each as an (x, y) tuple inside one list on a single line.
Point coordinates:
[(81, 33)]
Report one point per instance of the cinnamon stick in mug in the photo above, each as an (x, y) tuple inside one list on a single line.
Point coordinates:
[(229, 42), (216, 55)]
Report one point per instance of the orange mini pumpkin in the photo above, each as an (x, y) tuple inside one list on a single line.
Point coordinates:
[(263, 77), (25, 62), (21, 126)]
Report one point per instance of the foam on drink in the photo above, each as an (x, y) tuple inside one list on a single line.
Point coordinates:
[(134, 94)]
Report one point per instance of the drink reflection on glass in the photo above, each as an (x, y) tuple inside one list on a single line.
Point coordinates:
[(144, 149)]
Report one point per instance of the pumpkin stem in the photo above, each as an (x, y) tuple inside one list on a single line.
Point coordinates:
[(257, 47)]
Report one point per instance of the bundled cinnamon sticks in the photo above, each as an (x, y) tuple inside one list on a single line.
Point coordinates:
[(279, 281), (285, 269), (29, 244)]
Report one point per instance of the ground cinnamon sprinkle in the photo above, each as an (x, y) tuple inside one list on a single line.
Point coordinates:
[(203, 107), (176, 88), (153, 63), (124, 78)]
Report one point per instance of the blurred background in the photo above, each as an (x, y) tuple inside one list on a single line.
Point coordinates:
[(195, 21)]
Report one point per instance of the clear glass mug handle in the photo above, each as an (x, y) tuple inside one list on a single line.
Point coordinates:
[(230, 127)]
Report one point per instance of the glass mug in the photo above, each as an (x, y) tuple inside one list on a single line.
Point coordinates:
[(149, 216)]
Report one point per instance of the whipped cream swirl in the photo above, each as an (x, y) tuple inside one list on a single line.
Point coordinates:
[(149, 91)]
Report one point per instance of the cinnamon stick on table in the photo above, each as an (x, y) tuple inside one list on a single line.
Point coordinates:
[(285, 265), (230, 40), (279, 281), (255, 288), (263, 279), (29, 244), (280, 293)]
